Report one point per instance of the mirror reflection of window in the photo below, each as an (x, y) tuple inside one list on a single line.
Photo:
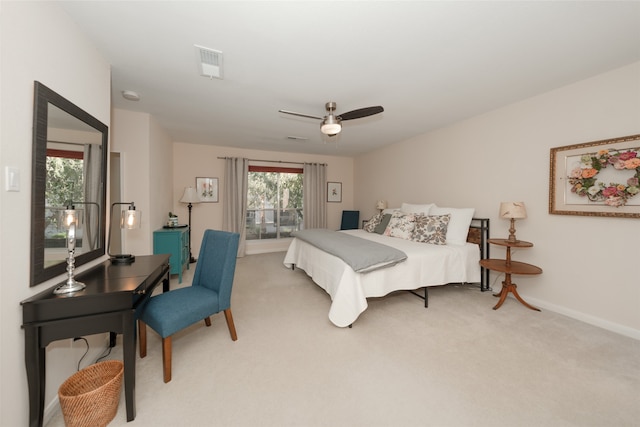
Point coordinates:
[(64, 184), (73, 170)]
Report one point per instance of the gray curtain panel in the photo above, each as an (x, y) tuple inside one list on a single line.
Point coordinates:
[(234, 199), (314, 209), (92, 171)]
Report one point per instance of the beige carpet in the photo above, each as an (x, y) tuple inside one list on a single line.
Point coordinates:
[(457, 363)]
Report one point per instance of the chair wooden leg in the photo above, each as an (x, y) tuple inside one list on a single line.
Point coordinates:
[(232, 327), (166, 358), (142, 334), (207, 321)]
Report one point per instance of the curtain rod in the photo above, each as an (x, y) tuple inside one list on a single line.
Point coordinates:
[(275, 161)]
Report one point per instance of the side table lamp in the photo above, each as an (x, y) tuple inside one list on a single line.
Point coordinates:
[(512, 211), (190, 196), (381, 205)]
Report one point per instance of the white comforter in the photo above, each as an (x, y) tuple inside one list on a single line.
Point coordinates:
[(426, 265)]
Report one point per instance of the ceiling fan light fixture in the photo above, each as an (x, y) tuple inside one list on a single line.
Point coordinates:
[(330, 125)]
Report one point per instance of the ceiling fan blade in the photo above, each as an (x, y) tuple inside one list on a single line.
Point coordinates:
[(293, 113), (362, 112)]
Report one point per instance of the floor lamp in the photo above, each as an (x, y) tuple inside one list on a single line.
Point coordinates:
[(190, 196)]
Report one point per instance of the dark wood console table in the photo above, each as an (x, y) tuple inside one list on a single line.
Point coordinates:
[(107, 304)]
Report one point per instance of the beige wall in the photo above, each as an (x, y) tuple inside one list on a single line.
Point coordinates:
[(191, 161), (147, 174), (39, 42), (588, 262)]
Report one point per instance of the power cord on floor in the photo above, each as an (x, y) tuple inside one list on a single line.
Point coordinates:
[(85, 352)]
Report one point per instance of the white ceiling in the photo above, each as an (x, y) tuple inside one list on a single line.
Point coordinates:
[(429, 64)]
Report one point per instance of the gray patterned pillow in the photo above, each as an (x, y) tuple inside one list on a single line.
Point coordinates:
[(431, 229), (383, 224), (370, 225)]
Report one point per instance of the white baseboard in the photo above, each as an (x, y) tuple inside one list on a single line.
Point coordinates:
[(587, 318)]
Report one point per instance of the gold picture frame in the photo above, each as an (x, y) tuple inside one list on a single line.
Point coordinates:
[(598, 178)]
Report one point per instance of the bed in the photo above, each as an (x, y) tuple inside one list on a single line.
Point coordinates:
[(425, 265)]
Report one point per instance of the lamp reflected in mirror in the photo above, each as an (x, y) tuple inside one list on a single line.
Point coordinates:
[(70, 217), (129, 219)]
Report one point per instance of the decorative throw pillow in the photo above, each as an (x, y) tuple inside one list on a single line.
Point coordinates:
[(383, 224), (431, 229), (401, 225), (459, 223), (370, 225)]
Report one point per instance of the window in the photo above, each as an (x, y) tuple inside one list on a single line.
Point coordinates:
[(274, 202)]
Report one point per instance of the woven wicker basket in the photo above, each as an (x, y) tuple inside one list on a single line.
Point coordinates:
[(90, 397)]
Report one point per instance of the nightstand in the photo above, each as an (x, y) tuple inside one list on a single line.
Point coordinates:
[(509, 267), (175, 242)]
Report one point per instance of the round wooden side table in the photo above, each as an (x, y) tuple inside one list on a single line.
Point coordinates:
[(509, 267)]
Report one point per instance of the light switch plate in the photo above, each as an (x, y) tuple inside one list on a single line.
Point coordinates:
[(11, 179)]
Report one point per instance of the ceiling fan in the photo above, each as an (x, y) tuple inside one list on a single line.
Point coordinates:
[(332, 123)]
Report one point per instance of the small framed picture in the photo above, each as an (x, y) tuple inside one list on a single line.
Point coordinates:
[(334, 192), (207, 189)]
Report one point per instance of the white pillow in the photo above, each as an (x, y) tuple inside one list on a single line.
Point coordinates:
[(390, 211), (459, 223), (419, 209)]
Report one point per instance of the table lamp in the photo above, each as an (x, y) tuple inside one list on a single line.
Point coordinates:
[(381, 205), (512, 211), (71, 285), (129, 219), (190, 196)]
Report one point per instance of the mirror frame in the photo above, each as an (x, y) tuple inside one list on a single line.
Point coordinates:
[(43, 96)]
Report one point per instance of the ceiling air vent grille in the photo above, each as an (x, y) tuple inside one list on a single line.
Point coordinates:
[(209, 62)]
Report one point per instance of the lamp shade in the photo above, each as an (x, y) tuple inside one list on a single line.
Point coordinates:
[(381, 204), (70, 217), (130, 219), (515, 210), (190, 195)]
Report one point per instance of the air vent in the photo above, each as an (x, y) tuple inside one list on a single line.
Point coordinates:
[(209, 62)]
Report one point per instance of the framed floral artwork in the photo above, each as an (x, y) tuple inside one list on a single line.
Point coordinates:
[(334, 192), (207, 189), (599, 178)]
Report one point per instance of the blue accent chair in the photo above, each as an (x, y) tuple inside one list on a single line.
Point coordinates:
[(209, 293), (349, 220)]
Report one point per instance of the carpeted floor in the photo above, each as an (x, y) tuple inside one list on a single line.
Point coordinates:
[(457, 363)]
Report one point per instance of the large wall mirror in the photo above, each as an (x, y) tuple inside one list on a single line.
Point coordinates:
[(69, 169)]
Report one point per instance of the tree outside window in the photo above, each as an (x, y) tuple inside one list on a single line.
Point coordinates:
[(274, 202)]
